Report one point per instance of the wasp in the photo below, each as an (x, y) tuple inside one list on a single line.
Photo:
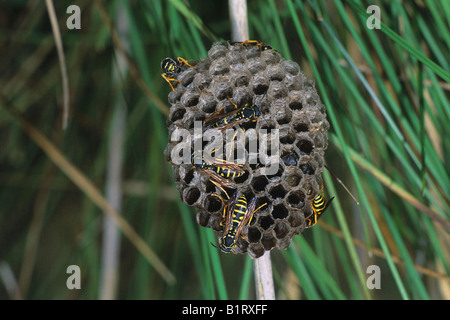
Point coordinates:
[(236, 215), (220, 172), (171, 68), (262, 46), (224, 121), (224, 169), (318, 205)]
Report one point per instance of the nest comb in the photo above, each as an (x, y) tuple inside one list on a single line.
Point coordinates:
[(288, 101)]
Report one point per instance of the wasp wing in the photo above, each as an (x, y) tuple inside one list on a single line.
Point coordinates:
[(248, 215), (229, 212), (220, 181)]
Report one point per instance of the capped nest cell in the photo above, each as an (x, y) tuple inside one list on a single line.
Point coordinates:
[(288, 101)]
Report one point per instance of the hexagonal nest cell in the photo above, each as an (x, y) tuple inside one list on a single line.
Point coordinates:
[(288, 101)]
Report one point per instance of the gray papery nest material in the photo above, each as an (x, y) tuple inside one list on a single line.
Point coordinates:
[(288, 102)]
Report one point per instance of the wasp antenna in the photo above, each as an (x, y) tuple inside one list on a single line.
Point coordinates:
[(263, 97), (213, 245), (259, 105), (343, 185)]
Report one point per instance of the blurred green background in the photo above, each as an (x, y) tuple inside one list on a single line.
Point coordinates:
[(387, 96)]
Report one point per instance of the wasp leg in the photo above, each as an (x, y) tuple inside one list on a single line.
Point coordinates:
[(262, 46), (220, 187), (243, 236), (207, 122), (168, 79), (181, 60), (309, 223), (250, 42), (231, 146), (215, 113), (224, 207), (315, 215), (234, 104), (265, 204)]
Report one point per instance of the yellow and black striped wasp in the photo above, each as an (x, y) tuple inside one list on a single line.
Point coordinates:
[(236, 215), (224, 121), (318, 205), (220, 171), (262, 46), (171, 68)]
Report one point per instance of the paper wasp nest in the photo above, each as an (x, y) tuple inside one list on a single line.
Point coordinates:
[(288, 102)]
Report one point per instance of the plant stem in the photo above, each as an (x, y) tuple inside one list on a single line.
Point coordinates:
[(262, 266), (264, 278), (111, 233), (62, 61), (238, 20)]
